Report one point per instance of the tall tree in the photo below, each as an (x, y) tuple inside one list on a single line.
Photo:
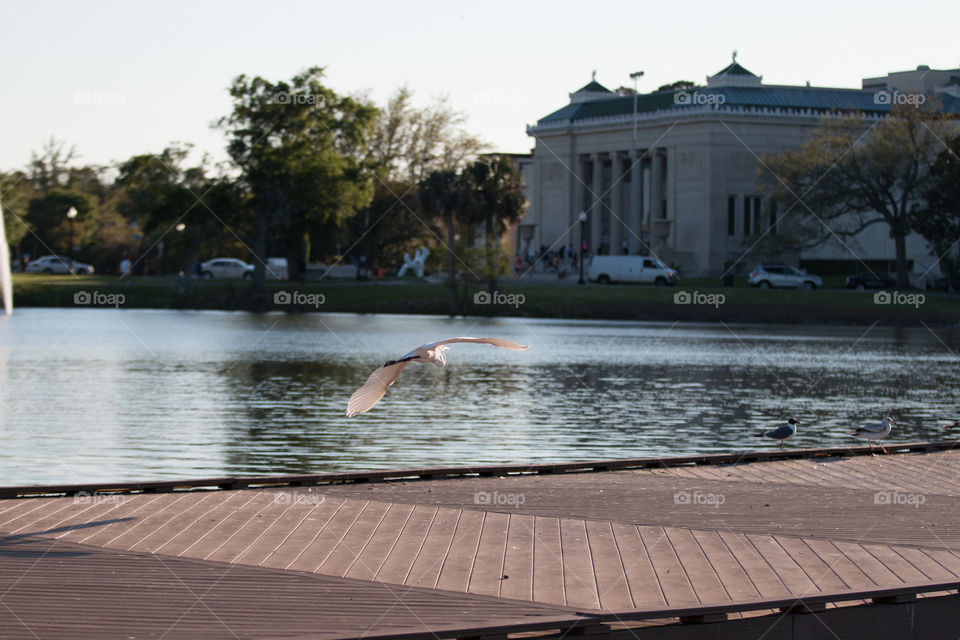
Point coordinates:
[(852, 176), (442, 195), (495, 201), (939, 220), (300, 149)]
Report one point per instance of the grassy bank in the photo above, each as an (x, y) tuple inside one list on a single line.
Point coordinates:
[(694, 301)]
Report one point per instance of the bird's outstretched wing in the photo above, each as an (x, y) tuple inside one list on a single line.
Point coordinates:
[(497, 342), (364, 398)]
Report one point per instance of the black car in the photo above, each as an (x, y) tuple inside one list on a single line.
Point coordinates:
[(868, 280)]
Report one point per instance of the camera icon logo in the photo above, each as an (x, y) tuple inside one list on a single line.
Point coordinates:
[(882, 97), (282, 297), (883, 497), (882, 297), (481, 297), (681, 97), (81, 297), (682, 297), (482, 497), (681, 497)]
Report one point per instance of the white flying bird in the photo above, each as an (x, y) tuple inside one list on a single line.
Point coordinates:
[(364, 398), (875, 431)]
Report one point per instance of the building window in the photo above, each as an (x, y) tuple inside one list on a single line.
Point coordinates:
[(732, 215), (751, 215)]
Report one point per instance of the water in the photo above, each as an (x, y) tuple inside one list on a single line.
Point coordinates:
[(104, 394)]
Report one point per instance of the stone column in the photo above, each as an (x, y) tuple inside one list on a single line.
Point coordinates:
[(656, 187), (636, 205), (619, 215), (596, 205)]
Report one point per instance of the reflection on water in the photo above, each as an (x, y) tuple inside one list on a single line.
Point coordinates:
[(106, 394)]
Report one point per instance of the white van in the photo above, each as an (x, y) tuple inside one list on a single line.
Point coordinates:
[(607, 269)]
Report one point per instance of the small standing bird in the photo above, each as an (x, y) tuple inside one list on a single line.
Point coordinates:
[(875, 431), (782, 433), (364, 398)]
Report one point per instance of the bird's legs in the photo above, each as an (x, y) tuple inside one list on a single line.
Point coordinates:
[(781, 444)]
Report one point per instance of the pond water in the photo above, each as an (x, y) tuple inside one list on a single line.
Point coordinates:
[(105, 394)]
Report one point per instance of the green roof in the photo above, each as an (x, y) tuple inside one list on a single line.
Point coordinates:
[(593, 87), (734, 69)]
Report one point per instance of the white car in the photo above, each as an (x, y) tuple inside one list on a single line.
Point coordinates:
[(767, 276), (607, 269), (226, 268), (58, 264), (277, 269)]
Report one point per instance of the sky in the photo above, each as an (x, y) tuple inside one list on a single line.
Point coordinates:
[(117, 79)]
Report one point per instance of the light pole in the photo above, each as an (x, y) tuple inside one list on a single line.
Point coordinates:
[(583, 245), (634, 184), (71, 215)]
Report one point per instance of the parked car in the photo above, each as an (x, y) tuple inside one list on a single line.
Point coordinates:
[(767, 276), (226, 268), (869, 280), (58, 264), (607, 269), (277, 269)]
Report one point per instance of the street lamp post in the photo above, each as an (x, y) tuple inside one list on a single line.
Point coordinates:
[(634, 184), (71, 215), (583, 245)]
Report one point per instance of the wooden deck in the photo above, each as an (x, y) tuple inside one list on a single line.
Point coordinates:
[(519, 550)]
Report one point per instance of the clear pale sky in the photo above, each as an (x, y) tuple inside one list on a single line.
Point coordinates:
[(158, 72)]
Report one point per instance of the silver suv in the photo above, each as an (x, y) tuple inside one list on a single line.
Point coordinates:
[(767, 276)]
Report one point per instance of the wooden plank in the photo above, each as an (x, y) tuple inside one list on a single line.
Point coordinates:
[(930, 567), (206, 522), (128, 533), (429, 560), (896, 563), (298, 540), (851, 575), (400, 560), (763, 576), (488, 568), (374, 554), (792, 574), (641, 577), (673, 580), (279, 531), (351, 545), (612, 588), (181, 519), (735, 580), (326, 540), (518, 559), (703, 577), (819, 572), (579, 575), (228, 527), (867, 562), (547, 561), (461, 557)]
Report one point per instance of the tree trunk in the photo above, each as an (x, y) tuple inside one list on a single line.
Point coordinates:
[(452, 265), (900, 241), (492, 266), (261, 225)]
